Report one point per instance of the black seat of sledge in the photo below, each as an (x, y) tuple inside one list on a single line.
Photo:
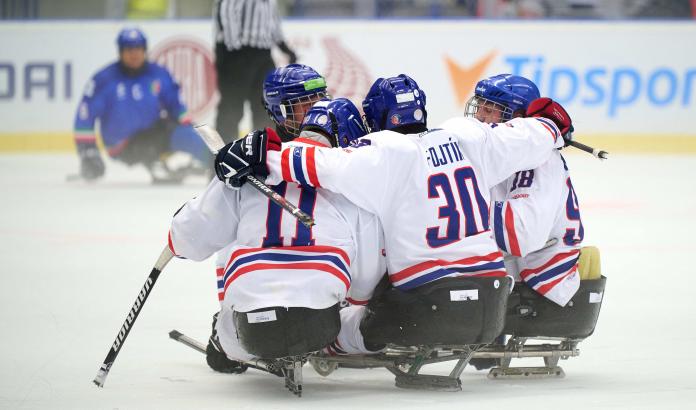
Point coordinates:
[(449, 311), (530, 314)]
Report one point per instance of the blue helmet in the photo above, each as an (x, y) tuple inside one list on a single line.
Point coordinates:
[(510, 93), (131, 38), (288, 92), (339, 119), (394, 102)]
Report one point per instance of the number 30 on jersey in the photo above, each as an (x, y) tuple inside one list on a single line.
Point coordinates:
[(468, 203)]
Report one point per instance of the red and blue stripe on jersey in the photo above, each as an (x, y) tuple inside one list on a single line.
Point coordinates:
[(220, 274), (425, 272), (504, 228), (331, 260), (297, 164), (546, 276), (550, 126)]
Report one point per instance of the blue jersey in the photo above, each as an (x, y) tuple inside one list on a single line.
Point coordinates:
[(126, 104)]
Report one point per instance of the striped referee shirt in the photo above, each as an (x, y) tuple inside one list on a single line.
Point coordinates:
[(251, 23)]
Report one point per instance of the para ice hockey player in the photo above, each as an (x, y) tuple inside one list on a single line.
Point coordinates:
[(535, 206), (140, 113), (288, 92), (282, 281)]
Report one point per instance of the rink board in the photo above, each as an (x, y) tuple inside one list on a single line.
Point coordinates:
[(647, 90)]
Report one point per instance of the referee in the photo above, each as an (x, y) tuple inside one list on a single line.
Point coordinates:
[(245, 32)]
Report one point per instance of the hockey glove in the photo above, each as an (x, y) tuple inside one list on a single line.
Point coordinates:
[(292, 57), (246, 156), (220, 363), (548, 108), (91, 164)]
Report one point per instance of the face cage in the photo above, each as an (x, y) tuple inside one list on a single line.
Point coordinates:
[(476, 101), (289, 108)]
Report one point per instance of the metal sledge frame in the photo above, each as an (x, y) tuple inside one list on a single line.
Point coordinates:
[(406, 362), (516, 347)]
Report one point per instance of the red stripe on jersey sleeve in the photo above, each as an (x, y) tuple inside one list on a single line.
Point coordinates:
[(171, 245), (553, 134), (285, 165), (312, 168), (356, 302), (545, 288), (510, 228), (220, 273), (550, 262)]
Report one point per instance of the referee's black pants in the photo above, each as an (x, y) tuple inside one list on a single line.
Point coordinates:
[(240, 75)]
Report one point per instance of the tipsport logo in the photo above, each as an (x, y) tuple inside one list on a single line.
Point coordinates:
[(601, 86)]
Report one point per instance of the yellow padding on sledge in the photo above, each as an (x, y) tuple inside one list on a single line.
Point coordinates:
[(589, 265)]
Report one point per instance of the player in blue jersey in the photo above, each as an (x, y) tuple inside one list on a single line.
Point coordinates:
[(140, 112)]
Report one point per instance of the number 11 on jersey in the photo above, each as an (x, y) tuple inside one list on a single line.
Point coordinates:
[(302, 235)]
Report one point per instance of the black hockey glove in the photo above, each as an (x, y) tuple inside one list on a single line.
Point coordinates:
[(292, 57), (245, 156), (219, 362), (548, 108), (91, 164)]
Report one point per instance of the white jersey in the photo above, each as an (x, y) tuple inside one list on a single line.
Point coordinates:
[(430, 191), (274, 260), (531, 208)]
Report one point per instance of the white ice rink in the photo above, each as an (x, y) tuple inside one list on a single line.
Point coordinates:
[(74, 256)]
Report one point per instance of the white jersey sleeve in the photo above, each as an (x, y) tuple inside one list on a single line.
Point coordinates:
[(499, 150), (364, 174), (205, 224), (370, 264)]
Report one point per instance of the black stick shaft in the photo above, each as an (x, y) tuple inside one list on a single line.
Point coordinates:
[(279, 200), (215, 143), (596, 152), (103, 371), (192, 343)]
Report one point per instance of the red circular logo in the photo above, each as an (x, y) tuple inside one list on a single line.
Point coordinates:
[(191, 63)]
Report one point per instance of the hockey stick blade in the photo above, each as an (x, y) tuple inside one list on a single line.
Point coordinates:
[(596, 152), (210, 136), (140, 300), (214, 142)]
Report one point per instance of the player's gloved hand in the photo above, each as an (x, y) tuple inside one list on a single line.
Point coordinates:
[(292, 57), (91, 164), (246, 156), (548, 108)]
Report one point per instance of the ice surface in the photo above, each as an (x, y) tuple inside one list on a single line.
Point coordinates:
[(75, 255)]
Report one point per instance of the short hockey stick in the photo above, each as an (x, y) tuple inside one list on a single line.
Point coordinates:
[(596, 152), (214, 142), (192, 343), (162, 261), (200, 347)]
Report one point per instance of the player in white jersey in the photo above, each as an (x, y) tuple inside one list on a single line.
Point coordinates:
[(277, 264), (430, 189), (535, 212)]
